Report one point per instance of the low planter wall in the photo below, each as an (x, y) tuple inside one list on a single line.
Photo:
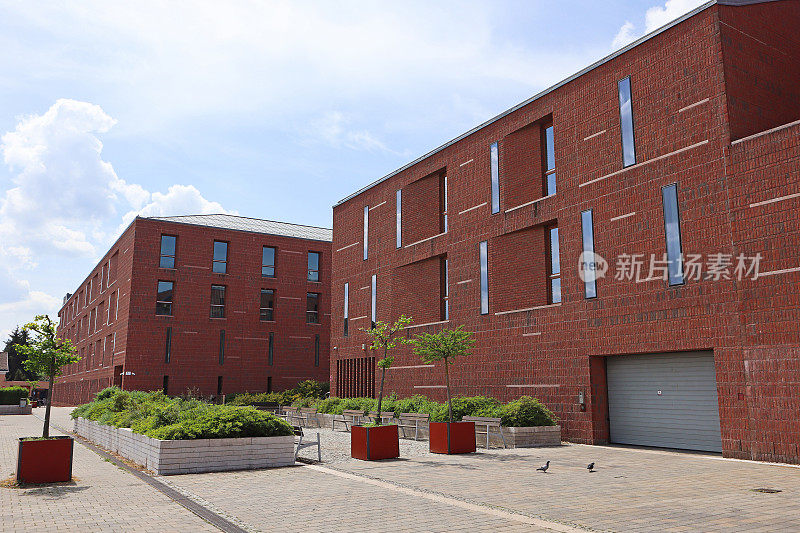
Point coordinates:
[(529, 437), (166, 457), (15, 410)]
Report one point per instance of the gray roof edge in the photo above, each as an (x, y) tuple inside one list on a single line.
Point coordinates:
[(169, 219), (550, 89)]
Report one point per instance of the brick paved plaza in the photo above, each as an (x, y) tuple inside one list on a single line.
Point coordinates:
[(496, 490)]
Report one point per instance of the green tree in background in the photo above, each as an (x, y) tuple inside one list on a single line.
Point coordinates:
[(16, 360), (45, 355)]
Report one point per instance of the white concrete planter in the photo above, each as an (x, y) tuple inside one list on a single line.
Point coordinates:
[(15, 409), (166, 457)]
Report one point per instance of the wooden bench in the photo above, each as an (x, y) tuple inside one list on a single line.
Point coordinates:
[(272, 407), (350, 417), (298, 432), (412, 420), (385, 415), (488, 424)]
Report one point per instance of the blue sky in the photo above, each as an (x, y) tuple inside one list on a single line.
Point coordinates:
[(109, 109)]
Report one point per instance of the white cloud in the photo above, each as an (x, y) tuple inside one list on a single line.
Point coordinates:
[(334, 129), (65, 202), (654, 18)]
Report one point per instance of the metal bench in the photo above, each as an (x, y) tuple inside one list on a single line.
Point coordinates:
[(488, 424), (412, 420), (292, 415), (298, 432), (350, 417), (309, 413)]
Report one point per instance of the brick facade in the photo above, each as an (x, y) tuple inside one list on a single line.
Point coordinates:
[(132, 339), (700, 88)]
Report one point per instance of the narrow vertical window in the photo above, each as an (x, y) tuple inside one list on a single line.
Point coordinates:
[(268, 262), (316, 350), (373, 299), (220, 262), (495, 172), (444, 204), (313, 266), (312, 308), (484, 260), (626, 122), (218, 301), (549, 160), (346, 311), (672, 230), (366, 232), (271, 349), (167, 252), (168, 346), (221, 346), (267, 305), (399, 219), (445, 291), (163, 298), (588, 263), (554, 266), (166, 385), (219, 385)]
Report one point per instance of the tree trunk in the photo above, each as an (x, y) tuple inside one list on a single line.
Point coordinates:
[(380, 397), (46, 430), (447, 382)]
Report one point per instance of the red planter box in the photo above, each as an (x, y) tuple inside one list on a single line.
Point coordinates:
[(374, 443), (458, 437), (45, 461)]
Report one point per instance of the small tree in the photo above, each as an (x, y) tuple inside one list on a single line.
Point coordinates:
[(445, 346), (384, 337), (46, 355)]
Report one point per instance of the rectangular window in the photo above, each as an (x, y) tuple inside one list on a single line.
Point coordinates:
[(267, 305), (164, 298), (312, 308), (316, 350), (346, 312), (218, 301), (588, 265), (444, 204), (495, 163), (166, 385), (168, 346), (220, 262), (221, 346), (626, 122), (271, 349), (399, 219), (554, 266), (269, 383), (268, 262), (219, 385), (445, 291), (167, 251), (549, 160), (366, 232), (672, 230), (484, 261), (374, 299), (313, 266)]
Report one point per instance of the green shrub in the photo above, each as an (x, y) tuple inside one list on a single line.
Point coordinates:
[(312, 389), (12, 395), (525, 412), (107, 393), (220, 422)]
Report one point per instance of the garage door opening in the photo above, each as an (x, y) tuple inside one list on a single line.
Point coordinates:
[(667, 400)]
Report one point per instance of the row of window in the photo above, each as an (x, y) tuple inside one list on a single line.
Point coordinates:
[(88, 325), (548, 166), (221, 352), (219, 258), (166, 293), (96, 286), (674, 261)]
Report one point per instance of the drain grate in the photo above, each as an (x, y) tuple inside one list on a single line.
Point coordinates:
[(767, 491)]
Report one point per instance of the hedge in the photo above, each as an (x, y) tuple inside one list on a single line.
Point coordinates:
[(161, 417), (522, 412), (306, 391), (12, 395)]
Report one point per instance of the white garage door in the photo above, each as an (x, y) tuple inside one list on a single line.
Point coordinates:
[(667, 400)]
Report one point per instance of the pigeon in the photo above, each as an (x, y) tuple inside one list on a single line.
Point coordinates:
[(544, 467), (590, 467)]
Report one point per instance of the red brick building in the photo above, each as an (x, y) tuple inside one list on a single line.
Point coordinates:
[(216, 303), (681, 152)]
